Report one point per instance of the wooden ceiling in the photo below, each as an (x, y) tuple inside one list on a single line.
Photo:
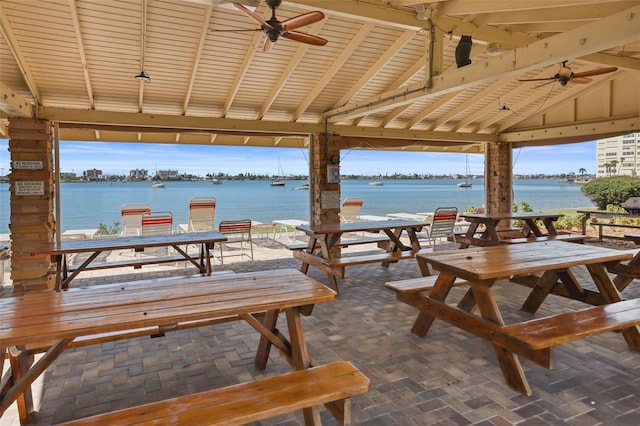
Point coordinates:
[(387, 78)]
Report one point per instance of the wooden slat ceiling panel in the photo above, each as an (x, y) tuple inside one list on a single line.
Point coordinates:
[(57, 82), (10, 71)]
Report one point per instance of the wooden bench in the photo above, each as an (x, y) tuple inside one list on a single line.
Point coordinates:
[(332, 384), (344, 242), (574, 238), (545, 333), (136, 263), (601, 225), (342, 262), (416, 285)]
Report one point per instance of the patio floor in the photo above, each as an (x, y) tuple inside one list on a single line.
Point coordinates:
[(447, 378)]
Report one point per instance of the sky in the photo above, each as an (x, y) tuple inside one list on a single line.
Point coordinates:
[(116, 158)]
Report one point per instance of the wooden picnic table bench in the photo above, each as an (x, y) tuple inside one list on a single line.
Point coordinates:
[(345, 242), (325, 240), (248, 402), (484, 231), (52, 321), (602, 225), (59, 251), (573, 238), (547, 266)]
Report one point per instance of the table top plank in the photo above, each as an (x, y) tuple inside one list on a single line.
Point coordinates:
[(480, 217), (503, 261), (372, 226), (131, 242), (76, 313)]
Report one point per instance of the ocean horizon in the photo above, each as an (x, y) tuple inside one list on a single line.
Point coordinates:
[(87, 205)]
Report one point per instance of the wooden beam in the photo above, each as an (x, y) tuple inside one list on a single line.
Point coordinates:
[(594, 37), (572, 133), (13, 104)]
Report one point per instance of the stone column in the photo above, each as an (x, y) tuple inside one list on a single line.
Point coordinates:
[(31, 183), (499, 178), (325, 192)]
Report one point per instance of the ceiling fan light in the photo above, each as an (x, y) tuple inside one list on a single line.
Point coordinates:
[(143, 76)]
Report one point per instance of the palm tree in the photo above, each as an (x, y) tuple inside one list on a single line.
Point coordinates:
[(582, 171), (613, 166), (607, 168), (620, 168)]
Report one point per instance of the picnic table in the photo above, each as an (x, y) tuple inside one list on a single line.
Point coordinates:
[(52, 321), (490, 235), (65, 273), (550, 264), (325, 239), (628, 271)]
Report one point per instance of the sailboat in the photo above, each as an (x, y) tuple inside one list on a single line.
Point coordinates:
[(378, 181), (465, 183), (157, 183), (279, 181)]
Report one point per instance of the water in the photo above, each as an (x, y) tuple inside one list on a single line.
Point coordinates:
[(86, 205)]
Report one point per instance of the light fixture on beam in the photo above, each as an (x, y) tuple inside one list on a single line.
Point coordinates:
[(463, 51), (143, 76), (423, 13)]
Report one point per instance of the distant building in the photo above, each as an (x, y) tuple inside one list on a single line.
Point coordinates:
[(68, 176), (167, 174), (138, 174), (93, 174), (618, 156)]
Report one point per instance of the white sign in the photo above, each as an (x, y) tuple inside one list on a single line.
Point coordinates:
[(32, 165), (29, 187)]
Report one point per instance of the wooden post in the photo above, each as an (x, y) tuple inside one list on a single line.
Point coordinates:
[(31, 184)]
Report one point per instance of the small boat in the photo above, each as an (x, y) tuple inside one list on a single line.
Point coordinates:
[(216, 181), (465, 183), (280, 181), (303, 186), (376, 183), (157, 184)]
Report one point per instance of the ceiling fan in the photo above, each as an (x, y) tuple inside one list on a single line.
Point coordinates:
[(565, 75), (275, 29)]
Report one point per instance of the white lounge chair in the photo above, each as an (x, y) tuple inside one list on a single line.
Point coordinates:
[(202, 211), (351, 209), (131, 215)]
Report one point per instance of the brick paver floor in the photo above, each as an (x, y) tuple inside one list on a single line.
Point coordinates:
[(447, 378)]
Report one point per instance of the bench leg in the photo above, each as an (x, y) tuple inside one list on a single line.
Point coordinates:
[(509, 362), (423, 265), (341, 410), (512, 370), (610, 294), (622, 281), (300, 358), (540, 292), (440, 291)]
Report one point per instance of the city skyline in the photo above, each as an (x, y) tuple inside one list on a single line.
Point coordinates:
[(116, 158)]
